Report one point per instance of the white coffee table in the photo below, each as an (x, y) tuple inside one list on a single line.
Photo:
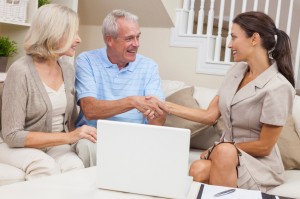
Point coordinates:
[(80, 184)]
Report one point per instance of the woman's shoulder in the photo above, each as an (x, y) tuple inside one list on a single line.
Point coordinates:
[(20, 67), (279, 81), (280, 84), (66, 65)]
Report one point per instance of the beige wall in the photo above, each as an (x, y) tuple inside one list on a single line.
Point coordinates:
[(174, 63), (171, 6)]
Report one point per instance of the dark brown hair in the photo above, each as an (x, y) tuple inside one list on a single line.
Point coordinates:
[(258, 22)]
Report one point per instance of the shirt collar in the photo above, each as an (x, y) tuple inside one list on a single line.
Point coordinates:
[(261, 80), (130, 66), (266, 76)]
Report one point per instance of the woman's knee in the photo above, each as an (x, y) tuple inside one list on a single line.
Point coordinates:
[(85, 146), (200, 170), (86, 150), (224, 154)]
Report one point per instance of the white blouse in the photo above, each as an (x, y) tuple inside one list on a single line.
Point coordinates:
[(59, 102)]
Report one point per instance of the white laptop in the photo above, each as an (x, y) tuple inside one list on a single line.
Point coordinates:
[(143, 159)]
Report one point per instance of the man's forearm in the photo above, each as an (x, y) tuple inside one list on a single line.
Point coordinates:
[(101, 109)]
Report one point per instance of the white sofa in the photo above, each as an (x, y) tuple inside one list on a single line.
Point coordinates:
[(203, 96), (8, 174)]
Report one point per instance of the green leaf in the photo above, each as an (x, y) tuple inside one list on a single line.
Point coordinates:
[(43, 2), (7, 47)]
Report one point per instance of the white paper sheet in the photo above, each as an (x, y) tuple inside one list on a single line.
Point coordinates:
[(210, 191)]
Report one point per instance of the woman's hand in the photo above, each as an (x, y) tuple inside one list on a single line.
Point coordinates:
[(83, 132)]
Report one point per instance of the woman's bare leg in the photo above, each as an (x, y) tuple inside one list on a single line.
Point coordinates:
[(224, 160), (200, 170)]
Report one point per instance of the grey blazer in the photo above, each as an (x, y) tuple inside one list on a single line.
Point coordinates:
[(266, 100), (26, 104)]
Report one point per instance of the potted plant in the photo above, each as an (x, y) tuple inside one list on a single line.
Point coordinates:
[(8, 48), (43, 2)]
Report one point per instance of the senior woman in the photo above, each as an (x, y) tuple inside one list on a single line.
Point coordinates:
[(38, 98)]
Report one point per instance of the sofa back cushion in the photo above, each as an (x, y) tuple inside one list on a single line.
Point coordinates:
[(184, 97), (289, 145)]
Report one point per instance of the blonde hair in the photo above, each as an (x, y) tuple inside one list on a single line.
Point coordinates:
[(52, 24)]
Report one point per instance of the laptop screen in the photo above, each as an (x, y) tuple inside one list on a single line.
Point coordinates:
[(143, 159)]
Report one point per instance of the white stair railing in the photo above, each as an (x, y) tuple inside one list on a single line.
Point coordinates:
[(267, 6), (211, 15), (244, 6), (191, 18), (228, 50), (200, 18), (288, 27), (219, 37), (255, 6), (278, 13), (210, 43)]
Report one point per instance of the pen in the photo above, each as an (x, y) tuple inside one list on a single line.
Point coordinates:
[(222, 193)]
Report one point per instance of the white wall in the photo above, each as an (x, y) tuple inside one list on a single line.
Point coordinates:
[(174, 63)]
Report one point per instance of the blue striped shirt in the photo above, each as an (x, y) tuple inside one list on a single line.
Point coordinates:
[(97, 77)]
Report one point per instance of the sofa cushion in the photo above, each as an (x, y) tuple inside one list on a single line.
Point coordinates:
[(10, 174), (204, 95), (289, 145), (184, 97), (290, 187), (170, 86), (296, 115)]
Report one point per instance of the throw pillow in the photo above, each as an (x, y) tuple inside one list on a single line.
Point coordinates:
[(184, 97), (289, 145), (205, 139)]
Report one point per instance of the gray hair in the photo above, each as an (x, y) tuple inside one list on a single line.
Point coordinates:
[(110, 25), (51, 24)]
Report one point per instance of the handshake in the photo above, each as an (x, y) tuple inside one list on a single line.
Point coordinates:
[(151, 107)]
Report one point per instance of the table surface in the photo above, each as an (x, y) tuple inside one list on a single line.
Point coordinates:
[(80, 184)]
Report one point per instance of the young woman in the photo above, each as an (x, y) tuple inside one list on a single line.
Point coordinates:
[(254, 101), (39, 98)]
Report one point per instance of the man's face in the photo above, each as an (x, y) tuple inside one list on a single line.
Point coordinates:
[(123, 49)]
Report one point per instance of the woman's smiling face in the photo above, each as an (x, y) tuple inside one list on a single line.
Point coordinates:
[(240, 44)]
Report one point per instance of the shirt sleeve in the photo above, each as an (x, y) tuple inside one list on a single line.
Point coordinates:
[(14, 99), (84, 81), (153, 86), (277, 105)]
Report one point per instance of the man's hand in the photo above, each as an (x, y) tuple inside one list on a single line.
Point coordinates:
[(147, 103)]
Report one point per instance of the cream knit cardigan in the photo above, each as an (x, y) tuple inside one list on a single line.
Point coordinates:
[(26, 104)]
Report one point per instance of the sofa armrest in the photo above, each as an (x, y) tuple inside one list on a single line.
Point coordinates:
[(296, 115)]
